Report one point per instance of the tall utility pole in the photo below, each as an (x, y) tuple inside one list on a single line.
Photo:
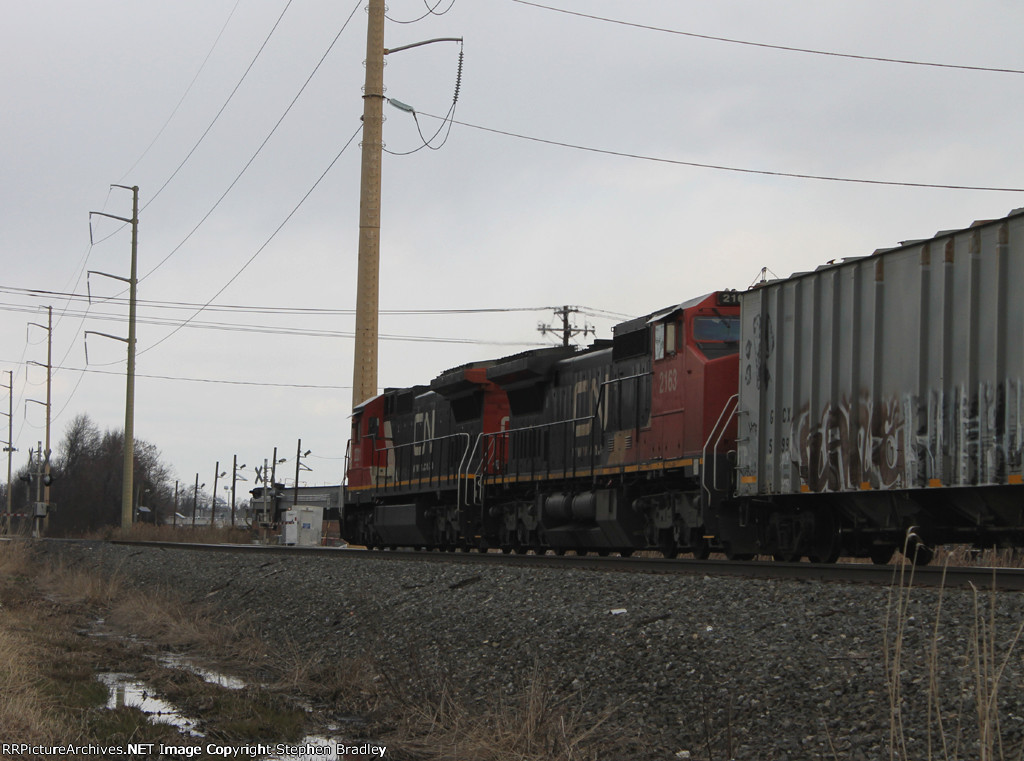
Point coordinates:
[(364, 371), (5, 526), (38, 508), (195, 500), (234, 480), (129, 404), (48, 327), (299, 454), (213, 503)]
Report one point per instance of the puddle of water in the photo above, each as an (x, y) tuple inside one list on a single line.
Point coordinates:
[(128, 692), (175, 661)]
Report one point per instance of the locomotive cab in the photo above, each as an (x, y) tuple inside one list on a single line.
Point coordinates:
[(695, 352)]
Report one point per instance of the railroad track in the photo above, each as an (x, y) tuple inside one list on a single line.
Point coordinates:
[(987, 578)]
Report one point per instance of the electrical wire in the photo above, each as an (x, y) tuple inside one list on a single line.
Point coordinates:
[(261, 248), (447, 119), (724, 168), (430, 12), (251, 309), (185, 94), (261, 146), (290, 331), (221, 111), (208, 128), (787, 48), (93, 371)]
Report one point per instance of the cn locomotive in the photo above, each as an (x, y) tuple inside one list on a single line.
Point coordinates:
[(848, 411)]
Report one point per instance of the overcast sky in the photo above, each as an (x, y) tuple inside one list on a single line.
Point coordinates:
[(119, 91)]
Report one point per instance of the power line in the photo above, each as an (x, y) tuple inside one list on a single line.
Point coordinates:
[(261, 146), (722, 167), (265, 244), (187, 91), (221, 111), (787, 48), (285, 330), (94, 371), (261, 309), (431, 11)]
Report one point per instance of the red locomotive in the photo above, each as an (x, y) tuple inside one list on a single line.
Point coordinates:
[(615, 448)]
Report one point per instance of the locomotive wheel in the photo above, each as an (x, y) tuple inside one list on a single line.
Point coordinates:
[(667, 543), (882, 555), (739, 556), (699, 546), (825, 559)]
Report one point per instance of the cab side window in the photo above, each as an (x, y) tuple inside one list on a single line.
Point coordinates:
[(659, 341)]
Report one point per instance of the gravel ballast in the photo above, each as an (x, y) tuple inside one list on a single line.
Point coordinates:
[(670, 666)]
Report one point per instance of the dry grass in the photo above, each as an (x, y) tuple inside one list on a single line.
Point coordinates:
[(965, 555), (440, 724), (955, 730), (26, 713), (15, 559)]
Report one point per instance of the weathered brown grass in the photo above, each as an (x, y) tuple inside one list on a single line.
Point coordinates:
[(25, 711), (534, 724), (15, 559), (986, 658)]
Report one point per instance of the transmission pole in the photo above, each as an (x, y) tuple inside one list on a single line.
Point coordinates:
[(5, 528), (364, 371), (48, 327), (128, 471)]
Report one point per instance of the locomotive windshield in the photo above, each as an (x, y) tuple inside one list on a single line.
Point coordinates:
[(717, 336)]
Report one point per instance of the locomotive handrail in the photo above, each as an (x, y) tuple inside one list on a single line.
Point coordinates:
[(723, 421), (348, 464), (570, 459), (465, 479), (394, 448), (636, 409)]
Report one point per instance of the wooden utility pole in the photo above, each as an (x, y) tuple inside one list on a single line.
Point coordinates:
[(234, 481), (195, 500), (567, 330), (213, 504), (364, 370)]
